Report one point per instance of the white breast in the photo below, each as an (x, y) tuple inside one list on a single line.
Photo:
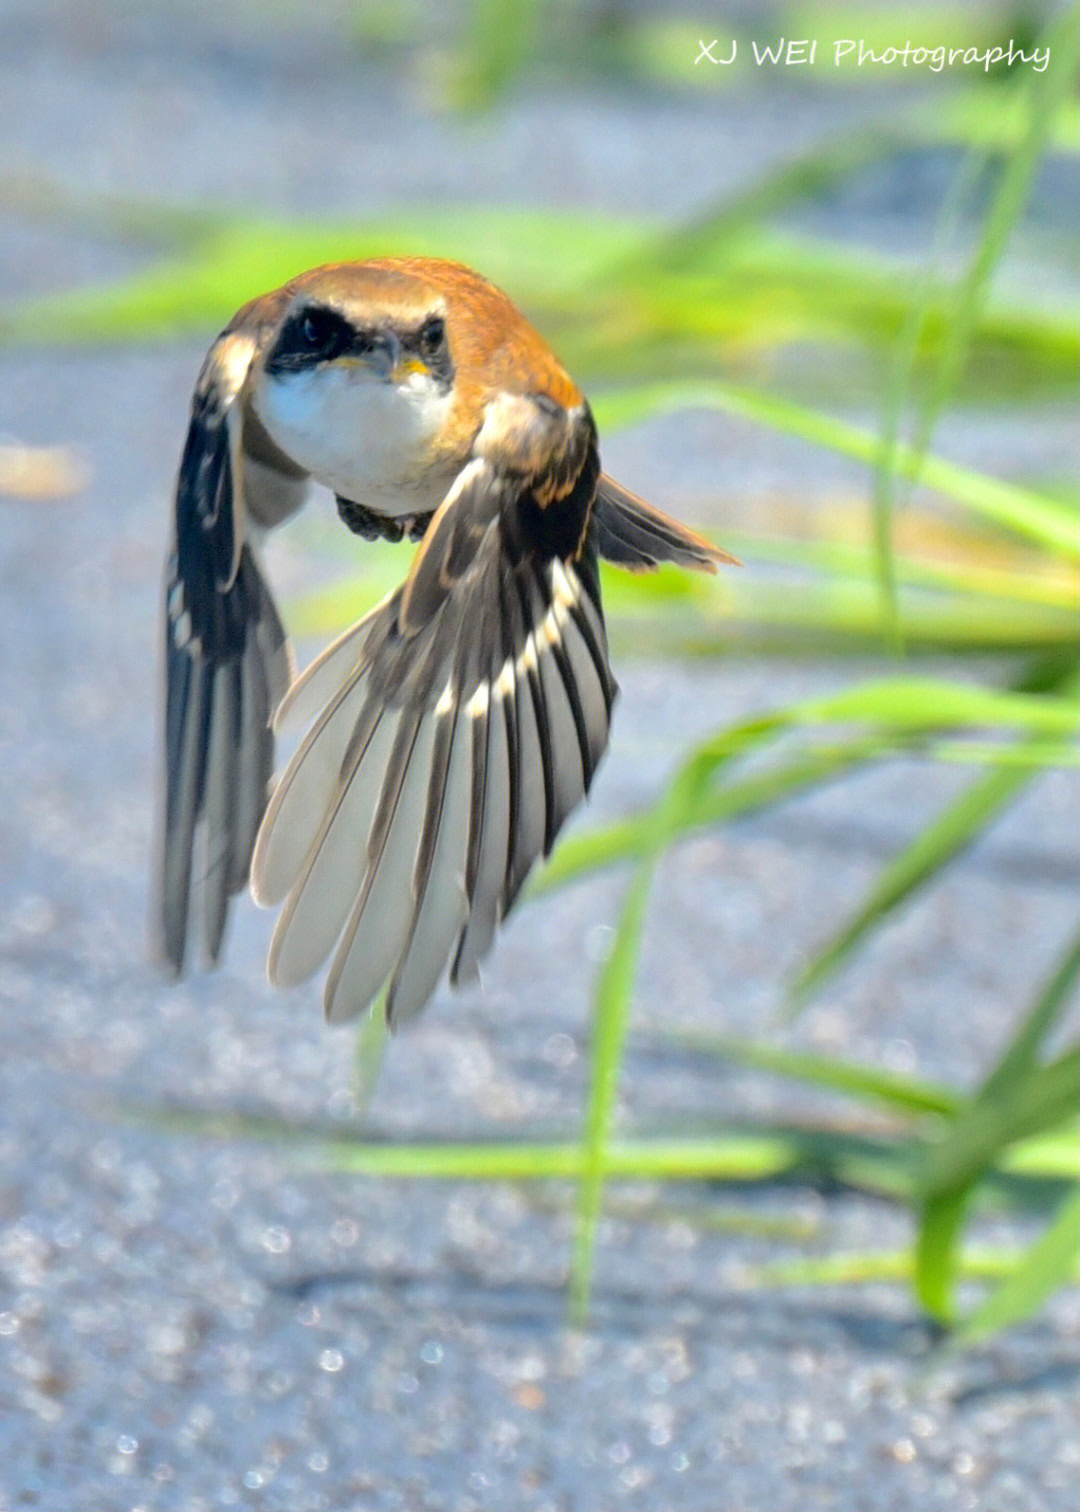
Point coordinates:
[(367, 439)]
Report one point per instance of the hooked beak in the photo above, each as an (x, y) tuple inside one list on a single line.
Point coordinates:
[(382, 355)]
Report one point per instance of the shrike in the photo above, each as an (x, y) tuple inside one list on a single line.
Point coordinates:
[(451, 731)]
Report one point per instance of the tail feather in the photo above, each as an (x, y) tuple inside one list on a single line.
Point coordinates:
[(633, 534)]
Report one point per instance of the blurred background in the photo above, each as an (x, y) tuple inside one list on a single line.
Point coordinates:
[(748, 1178)]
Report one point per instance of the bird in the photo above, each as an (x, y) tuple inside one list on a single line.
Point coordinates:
[(453, 729)]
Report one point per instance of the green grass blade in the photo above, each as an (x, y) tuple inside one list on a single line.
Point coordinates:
[(680, 804), (1046, 522), (1043, 92), (1042, 1098), (626, 839), (937, 845), (896, 709), (752, 1153), (615, 991), (370, 1051), (1048, 1156), (1020, 1097), (867, 1083), (902, 380), (937, 1251), (640, 316), (1046, 1012), (889, 1265), (613, 1000), (1019, 1100), (702, 243), (1048, 1264), (913, 704), (956, 557), (1033, 754), (500, 37)]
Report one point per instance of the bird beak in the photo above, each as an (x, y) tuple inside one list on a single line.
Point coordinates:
[(383, 356), (405, 367), (379, 355)]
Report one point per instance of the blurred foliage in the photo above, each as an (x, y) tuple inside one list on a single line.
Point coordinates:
[(730, 312)]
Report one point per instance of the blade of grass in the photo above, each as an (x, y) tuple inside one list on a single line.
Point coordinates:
[(1018, 1099), (898, 708), (954, 556), (501, 36), (1042, 1098), (370, 1051), (937, 1251), (867, 1083), (611, 1013), (812, 618), (702, 243), (927, 704), (1042, 95), (1051, 1262), (970, 1150), (940, 842), (1049, 1155), (890, 1265), (614, 996), (902, 378), (1046, 522), (1032, 754), (801, 616), (772, 289), (751, 1153), (1020, 1055), (958, 827), (626, 839)]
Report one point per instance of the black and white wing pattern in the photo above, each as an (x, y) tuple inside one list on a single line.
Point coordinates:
[(227, 659), (451, 732)]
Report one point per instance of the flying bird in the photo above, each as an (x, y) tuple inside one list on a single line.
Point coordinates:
[(453, 729)]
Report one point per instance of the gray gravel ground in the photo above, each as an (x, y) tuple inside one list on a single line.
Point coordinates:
[(196, 1324)]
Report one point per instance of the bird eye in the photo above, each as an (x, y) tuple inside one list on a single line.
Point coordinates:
[(432, 335), (315, 328)]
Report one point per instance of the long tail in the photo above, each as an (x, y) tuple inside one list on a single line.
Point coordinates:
[(634, 534)]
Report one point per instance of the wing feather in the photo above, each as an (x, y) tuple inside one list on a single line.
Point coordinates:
[(227, 662), (255, 760), (378, 928), (221, 831), (489, 842), (307, 787), (323, 893), (442, 903), (450, 741)]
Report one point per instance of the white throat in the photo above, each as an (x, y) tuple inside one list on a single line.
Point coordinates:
[(368, 439)]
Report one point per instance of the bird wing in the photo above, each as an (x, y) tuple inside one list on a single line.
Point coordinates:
[(227, 658), (451, 731)]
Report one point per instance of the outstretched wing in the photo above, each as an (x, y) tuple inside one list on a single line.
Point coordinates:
[(227, 660), (453, 730)]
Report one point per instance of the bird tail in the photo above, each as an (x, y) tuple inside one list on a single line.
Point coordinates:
[(633, 534)]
